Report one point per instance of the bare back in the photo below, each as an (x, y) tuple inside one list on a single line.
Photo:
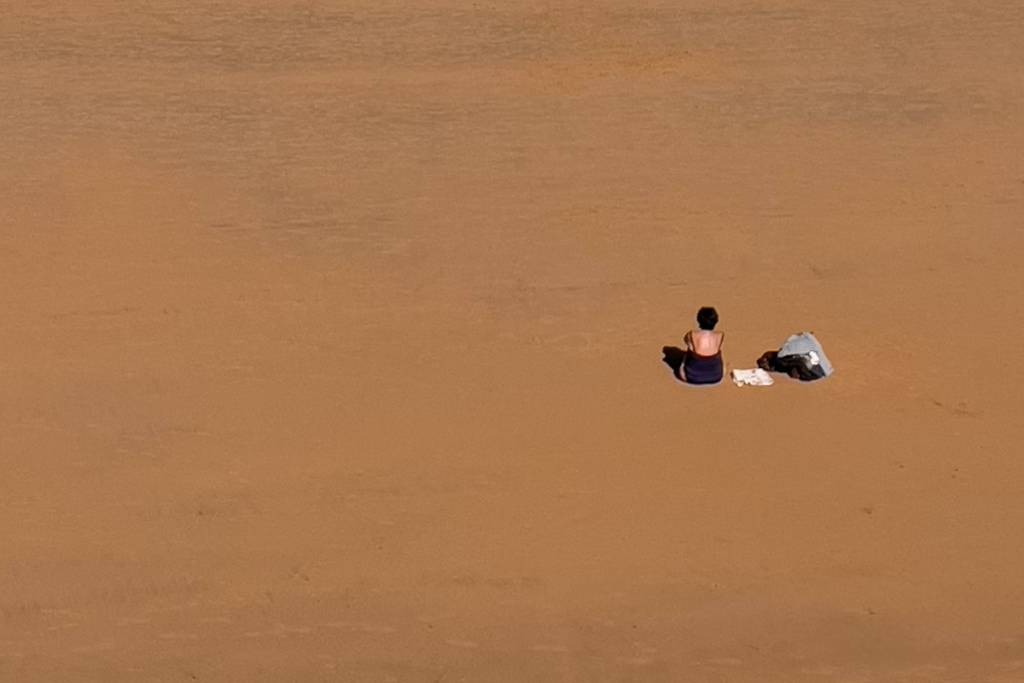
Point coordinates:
[(704, 343)]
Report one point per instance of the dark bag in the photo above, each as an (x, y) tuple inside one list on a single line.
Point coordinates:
[(797, 366)]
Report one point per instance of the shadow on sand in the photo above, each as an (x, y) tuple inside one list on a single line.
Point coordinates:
[(674, 357)]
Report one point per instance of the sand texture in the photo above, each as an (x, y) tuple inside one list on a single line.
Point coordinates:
[(330, 341)]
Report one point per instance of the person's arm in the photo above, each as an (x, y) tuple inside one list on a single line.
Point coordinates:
[(688, 340)]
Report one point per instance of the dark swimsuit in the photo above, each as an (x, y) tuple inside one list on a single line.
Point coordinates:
[(703, 369)]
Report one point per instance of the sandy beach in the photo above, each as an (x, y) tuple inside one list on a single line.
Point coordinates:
[(330, 341)]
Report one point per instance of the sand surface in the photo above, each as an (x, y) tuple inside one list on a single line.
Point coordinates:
[(330, 341)]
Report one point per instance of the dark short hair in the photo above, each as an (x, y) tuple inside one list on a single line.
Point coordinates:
[(707, 318)]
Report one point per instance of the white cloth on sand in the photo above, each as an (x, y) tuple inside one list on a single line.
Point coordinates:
[(755, 378)]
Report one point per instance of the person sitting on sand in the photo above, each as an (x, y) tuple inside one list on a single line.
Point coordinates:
[(702, 363)]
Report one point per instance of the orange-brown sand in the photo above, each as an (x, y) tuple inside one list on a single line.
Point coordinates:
[(330, 341)]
